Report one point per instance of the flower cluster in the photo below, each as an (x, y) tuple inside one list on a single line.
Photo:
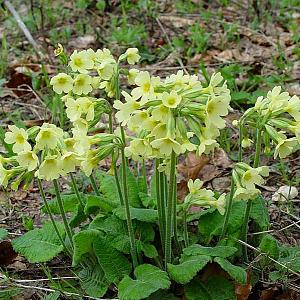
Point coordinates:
[(277, 116), (199, 196), (246, 179), (176, 114)]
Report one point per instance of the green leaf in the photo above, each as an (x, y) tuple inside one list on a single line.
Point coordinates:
[(148, 249), (211, 223), (153, 186), (116, 231), (69, 202), (142, 185), (95, 203), (259, 213), (215, 288), (78, 217), (236, 272), (40, 245), (52, 296), (269, 245), (290, 257), (3, 233), (83, 244), (149, 279), (144, 231), (221, 251), (133, 189), (148, 201), (188, 268), (108, 188), (141, 214), (114, 264), (93, 281)]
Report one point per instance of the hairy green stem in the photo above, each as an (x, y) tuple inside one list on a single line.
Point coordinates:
[(74, 185), (249, 203), (51, 217), (94, 185), (185, 229), (62, 211), (178, 246), (170, 208), (127, 211), (160, 205), (240, 155), (228, 209)]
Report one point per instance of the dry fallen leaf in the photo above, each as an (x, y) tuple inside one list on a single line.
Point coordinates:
[(82, 42), (243, 291)]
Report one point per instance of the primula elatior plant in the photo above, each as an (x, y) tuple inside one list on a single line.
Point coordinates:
[(127, 233)]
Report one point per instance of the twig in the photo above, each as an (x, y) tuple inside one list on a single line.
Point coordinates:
[(279, 230), (171, 45), (23, 27), (272, 259)]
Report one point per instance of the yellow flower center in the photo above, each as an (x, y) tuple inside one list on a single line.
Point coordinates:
[(210, 108), (78, 62), (146, 87), (172, 100), (248, 176), (19, 138), (80, 82), (46, 134), (62, 80)]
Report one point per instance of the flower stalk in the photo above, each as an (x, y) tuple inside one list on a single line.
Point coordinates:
[(51, 217), (62, 211), (170, 211), (249, 202)]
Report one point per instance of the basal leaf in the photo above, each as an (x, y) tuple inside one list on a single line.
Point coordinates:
[(83, 243), (141, 214), (236, 272), (116, 231), (52, 296), (188, 268), (69, 201), (78, 217), (221, 251), (149, 279), (133, 189), (108, 188), (260, 214), (269, 245), (114, 264), (40, 245), (148, 249), (215, 288), (210, 224), (93, 281), (95, 203), (148, 201), (3, 233)]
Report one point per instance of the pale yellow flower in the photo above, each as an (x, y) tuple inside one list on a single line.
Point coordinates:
[(277, 99), (62, 83), (136, 122), (132, 75), (132, 55), (106, 69), (103, 54), (18, 137), (81, 62), (146, 85), (171, 100), (4, 176), (245, 194), (166, 145), (50, 168), (246, 142), (206, 146), (194, 186), (48, 136), (251, 178), (28, 160), (160, 113), (126, 109), (139, 149), (285, 147), (215, 108), (293, 107), (82, 84), (69, 162), (179, 80)]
